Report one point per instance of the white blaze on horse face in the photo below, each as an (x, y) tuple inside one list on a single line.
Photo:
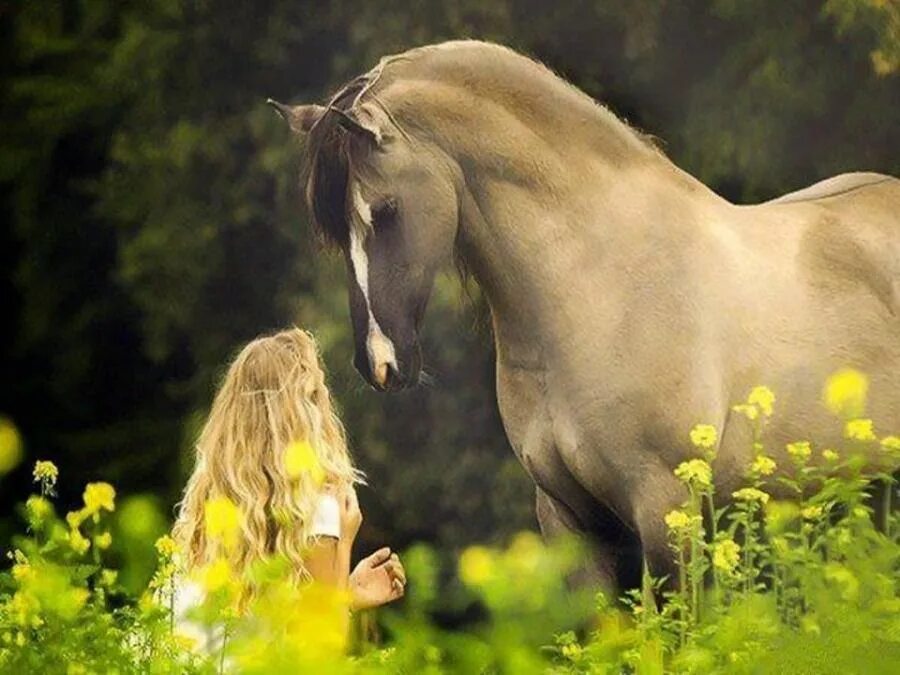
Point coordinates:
[(379, 347)]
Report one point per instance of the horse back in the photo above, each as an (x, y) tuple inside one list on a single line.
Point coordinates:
[(835, 186), (854, 233)]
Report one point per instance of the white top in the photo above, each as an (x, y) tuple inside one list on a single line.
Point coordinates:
[(326, 522)]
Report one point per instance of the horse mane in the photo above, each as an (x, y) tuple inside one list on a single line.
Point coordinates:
[(327, 164)]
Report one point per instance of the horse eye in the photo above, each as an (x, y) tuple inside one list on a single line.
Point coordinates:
[(384, 210)]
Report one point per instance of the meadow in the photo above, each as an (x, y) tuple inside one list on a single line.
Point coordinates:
[(801, 585)]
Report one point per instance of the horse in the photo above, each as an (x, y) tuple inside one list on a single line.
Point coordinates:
[(628, 301)]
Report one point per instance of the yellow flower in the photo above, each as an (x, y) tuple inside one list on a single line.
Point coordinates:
[(216, 575), (726, 555), (696, 471), (524, 552), (811, 512), (891, 443), (800, 450), (762, 398), (38, 508), (223, 520), (300, 458), (476, 565), (166, 546), (763, 466), (78, 543), (23, 572), (845, 393), (10, 446), (573, 651), (108, 577), (704, 436), (99, 496), (678, 520), (830, 456), (103, 541), (860, 430), (45, 470), (76, 518), (751, 412), (750, 494)]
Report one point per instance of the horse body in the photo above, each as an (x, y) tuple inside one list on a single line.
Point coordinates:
[(629, 302)]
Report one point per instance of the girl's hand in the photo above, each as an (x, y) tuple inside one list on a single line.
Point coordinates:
[(377, 580), (351, 516)]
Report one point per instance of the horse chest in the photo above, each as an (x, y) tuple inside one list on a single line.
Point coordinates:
[(544, 436)]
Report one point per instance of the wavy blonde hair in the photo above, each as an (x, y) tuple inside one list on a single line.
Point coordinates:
[(273, 394)]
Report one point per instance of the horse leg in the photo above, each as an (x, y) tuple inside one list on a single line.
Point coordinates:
[(600, 569)]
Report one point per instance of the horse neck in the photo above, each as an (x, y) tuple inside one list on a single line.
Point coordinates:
[(544, 235)]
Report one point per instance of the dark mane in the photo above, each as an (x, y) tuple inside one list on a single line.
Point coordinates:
[(327, 166)]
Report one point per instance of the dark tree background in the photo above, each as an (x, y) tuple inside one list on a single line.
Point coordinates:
[(152, 218)]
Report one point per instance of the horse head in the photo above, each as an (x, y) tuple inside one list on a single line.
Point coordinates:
[(389, 202)]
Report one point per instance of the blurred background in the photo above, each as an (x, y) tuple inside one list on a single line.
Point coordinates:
[(152, 219)]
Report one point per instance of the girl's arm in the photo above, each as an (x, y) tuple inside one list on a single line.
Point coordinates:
[(337, 522)]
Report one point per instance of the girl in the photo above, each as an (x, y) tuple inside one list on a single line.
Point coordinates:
[(274, 402)]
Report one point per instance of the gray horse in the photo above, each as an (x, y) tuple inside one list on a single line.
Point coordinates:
[(629, 302)]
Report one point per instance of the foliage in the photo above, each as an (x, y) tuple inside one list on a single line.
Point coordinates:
[(804, 584)]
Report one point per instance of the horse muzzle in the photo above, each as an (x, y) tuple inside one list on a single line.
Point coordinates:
[(380, 366)]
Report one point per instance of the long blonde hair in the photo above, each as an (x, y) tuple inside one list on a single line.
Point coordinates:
[(273, 394)]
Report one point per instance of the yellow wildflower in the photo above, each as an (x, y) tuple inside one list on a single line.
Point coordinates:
[(800, 450), (223, 519), (763, 466), (845, 393), (300, 458), (751, 412), (76, 518), (99, 496), (830, 456), (704, 436), (38, 508), (750, 494), (166, 546), (762, 398), (103, 541), (216, 575), (859, 430), (10, 446), (108, 577), (45, 470), (78, 543), (23, 572), (695, 471), (891, 443), (726, 555), (572, 651), (524, 552), (811, 512), (678, 520), (476, 565)]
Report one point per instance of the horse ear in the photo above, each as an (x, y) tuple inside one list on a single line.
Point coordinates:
[(353, 125), (301, 118)]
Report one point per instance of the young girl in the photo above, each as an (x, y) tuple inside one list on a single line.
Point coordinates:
[(272, 401)]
